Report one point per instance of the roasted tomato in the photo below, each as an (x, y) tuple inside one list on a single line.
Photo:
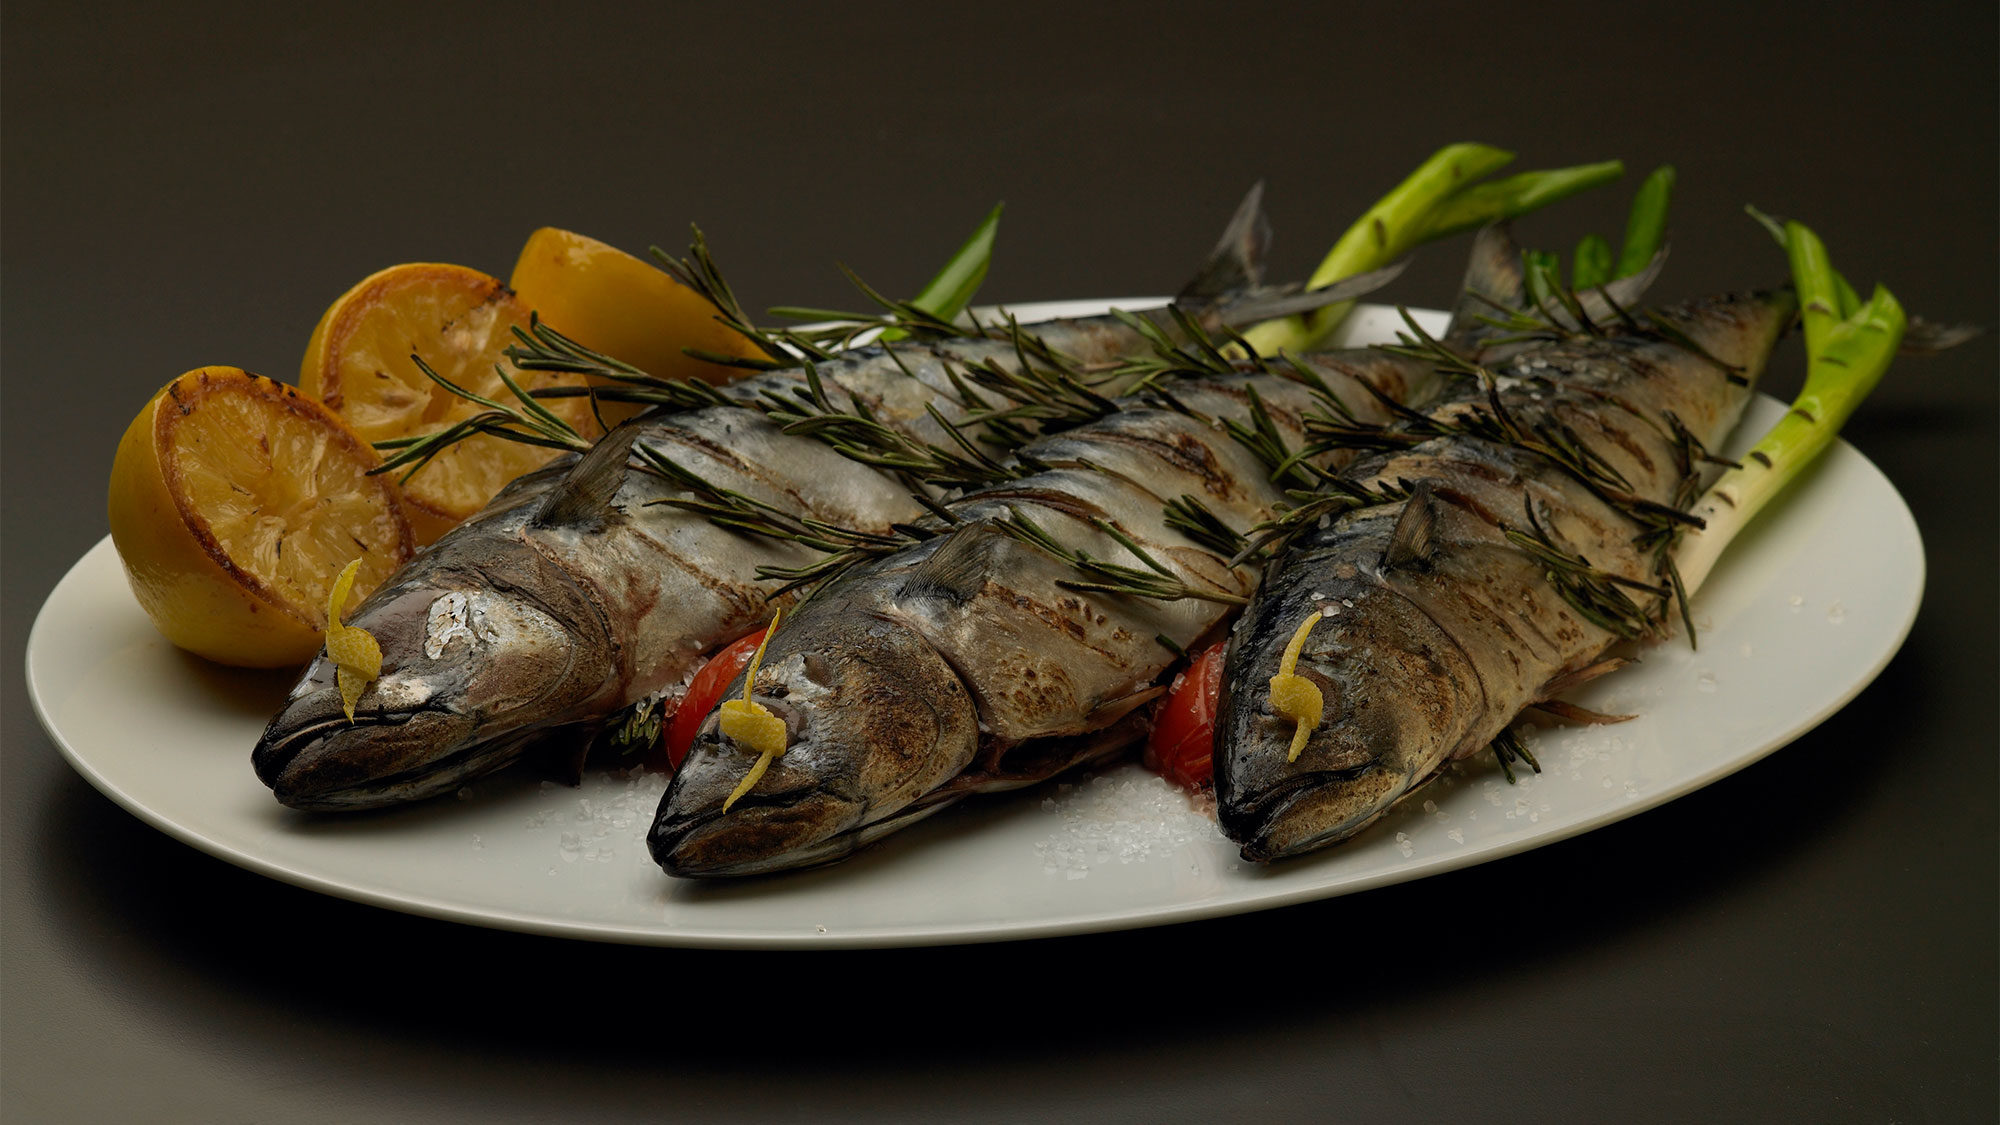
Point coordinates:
[(1182, 746), (704, 692)]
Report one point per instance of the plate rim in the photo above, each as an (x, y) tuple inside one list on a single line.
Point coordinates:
[(905, 935)]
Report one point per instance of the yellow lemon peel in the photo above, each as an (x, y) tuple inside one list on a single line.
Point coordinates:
[(1294, 696), (752, 724), (356, 655)]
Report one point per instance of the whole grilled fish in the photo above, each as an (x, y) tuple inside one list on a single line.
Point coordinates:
[(969, 663), (1506, 555), (577, 593)]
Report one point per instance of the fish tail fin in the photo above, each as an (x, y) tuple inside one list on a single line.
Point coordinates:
[(1495, 284), (1237, 262), (1230, 287)]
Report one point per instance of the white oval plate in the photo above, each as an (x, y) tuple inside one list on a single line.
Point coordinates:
[(1803, 613)]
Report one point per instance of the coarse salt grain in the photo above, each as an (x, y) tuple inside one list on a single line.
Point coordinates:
[(1132, 821)]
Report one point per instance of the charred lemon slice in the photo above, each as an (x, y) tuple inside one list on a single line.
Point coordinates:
[(234, 503), (460, 321), (611, 302)]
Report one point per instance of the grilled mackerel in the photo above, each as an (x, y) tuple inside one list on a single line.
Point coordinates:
[(1521, 534), (971, 663), (581, 590)]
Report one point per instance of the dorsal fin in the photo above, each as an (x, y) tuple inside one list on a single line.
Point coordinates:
[(583, 497), (1413, 540), (1237, 262)]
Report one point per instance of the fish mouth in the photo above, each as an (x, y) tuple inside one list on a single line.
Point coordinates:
[(1308, 811), (313, 757), (759, 834), (685, 850)]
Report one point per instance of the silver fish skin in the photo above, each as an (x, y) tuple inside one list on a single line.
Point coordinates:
[(963, 664), (1436, 630), (575, 594)]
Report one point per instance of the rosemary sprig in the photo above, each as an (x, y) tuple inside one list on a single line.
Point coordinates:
[(698, 272), (1339, 496), (836, 330), (1287, 465), (1192, 518), (636, 729), (851, 428), (1154, 580), (1042, 385), (530, 424), (542, 348), (1197, 353), (1508, 748), (742, 512), (1599, 595), (862, 548), (929, 314)]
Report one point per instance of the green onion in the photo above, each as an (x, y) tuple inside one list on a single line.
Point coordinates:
[(1646, 226), (1440, 198), (951, 290), (1592, 265), (1849, 344)]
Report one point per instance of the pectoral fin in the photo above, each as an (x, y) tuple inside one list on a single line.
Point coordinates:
[(955, 571), (1571, 713), (1413, 540), (1112, 710), (582, 498)]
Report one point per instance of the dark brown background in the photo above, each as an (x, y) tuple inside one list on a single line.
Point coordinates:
[(1812, 939)]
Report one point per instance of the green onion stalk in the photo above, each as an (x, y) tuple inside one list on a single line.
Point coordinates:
[(1446, 195), (951, 290), (1849, 344), (1593, 263)]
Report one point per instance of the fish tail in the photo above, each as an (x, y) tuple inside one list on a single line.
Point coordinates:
[(1237, 262), (1495, 284)]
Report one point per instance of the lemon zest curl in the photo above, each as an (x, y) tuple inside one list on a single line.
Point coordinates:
[(356, 655), (1294, 696), (752, 724)]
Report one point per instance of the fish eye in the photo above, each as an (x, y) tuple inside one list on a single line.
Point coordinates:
[(817, 670)]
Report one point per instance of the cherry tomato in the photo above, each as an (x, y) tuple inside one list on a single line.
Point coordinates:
[(1182, 745), (704, 692)]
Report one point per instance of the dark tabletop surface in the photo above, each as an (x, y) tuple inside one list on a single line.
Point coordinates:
[(1813, 938)]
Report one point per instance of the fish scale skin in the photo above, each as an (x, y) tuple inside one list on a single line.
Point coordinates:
[(608, 610), (1434, 657), (1030, 660)]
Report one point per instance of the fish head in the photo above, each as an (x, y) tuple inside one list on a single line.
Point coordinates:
[(875, 721), (475, 662), (1394, 694)]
